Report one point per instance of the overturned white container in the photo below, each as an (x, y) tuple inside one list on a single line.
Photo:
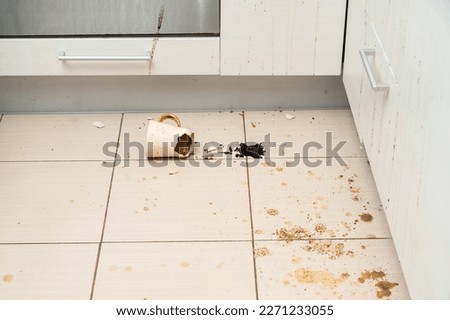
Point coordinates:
[(168, 141)]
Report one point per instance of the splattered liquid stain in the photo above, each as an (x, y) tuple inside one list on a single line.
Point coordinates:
[(296, 233), (262, 252), (323, 277), (8, 278), (155, 40), (366, 217), (272, 212), (384, 288)]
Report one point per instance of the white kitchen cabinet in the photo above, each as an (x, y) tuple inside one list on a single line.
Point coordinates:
[(282, 37), (403, 129), (171, 56), (353, 68)]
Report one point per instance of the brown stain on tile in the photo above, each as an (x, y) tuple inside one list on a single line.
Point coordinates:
[(184, 264), (262, 252), (285, 282), (363, 247), (348, 214), (320, 228), (384, 288), (371, 275), (220, 265), (355, 190), (253, 124), (366, 217), (8, 278), (295, 233), (279, 169), (128, 269), (146, 208), (258, 231), (382, 285), (272, 212), (332, 249), (284, 184), (323, 277), (310, 173)]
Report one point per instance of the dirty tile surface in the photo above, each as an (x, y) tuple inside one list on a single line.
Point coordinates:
[(47, 271), (56, 137), (298, 128), (329, 269), (215, 228), (185, 270), (324, 202)]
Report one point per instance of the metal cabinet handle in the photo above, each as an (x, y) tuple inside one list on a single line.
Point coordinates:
[(62, 56), (370, 74)]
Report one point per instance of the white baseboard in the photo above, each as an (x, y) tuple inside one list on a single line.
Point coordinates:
[(168, 93)]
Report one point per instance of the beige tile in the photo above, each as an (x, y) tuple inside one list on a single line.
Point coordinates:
[(52, 201), (57, 137), (345, 270), (307, 126), (179, 203), (323, 202), (195, 270), (217, 127), (50, 271)]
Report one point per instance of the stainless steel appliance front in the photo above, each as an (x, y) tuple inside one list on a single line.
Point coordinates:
[(47, 18)]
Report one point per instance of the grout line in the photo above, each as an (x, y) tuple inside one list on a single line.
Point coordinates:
[(106, 212), (251, 212), (262, 159), (176, 241), (53, 161), (186, 241), (46, 243)]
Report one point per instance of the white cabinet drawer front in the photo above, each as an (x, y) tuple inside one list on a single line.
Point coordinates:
[(282, 37), (171, 56)]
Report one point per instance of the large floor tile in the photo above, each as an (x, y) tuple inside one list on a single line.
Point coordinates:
[(57, 136), (47, 271), (195, 270), (323, 202), (322, 269), (209, 128), (307, 126), (170, 202), (52, 201)]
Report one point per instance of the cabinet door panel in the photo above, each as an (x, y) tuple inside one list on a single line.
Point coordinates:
[(171, 56), (282, 37), (353, 68)]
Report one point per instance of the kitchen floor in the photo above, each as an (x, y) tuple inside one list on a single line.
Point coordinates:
[(79, 220)]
